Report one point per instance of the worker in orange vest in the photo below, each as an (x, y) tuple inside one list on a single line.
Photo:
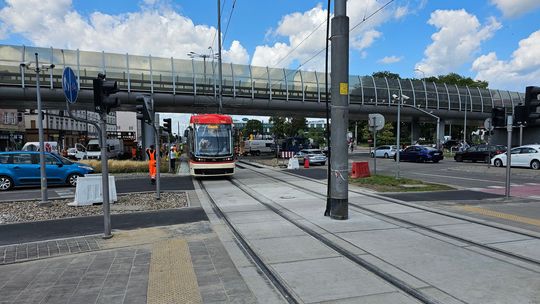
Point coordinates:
[(152, 163)]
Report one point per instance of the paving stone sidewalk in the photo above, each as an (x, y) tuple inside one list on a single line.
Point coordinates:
[(117, 270)]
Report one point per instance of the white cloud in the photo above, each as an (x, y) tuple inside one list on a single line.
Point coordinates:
[(401, 12), (521, 70), (296, 28), (155, 29), (514, 8), (390, 59), (458, 39)]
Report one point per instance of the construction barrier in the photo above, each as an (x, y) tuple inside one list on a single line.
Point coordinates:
[(286, 154), (360, 169)]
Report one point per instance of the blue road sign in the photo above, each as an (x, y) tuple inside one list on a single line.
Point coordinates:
[(70, 85)]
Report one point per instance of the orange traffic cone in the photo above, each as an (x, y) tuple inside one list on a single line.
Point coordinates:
[(306, 162)]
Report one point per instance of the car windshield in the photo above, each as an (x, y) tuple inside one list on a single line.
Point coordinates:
[(93, 148), (212, 140)]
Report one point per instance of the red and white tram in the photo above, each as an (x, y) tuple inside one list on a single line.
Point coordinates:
[(210, 145)]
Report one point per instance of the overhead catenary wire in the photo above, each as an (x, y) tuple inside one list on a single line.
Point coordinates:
[(323, 49), (229, 20)]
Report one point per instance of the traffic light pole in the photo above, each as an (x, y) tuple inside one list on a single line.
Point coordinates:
[(105, 177), (158, 157)]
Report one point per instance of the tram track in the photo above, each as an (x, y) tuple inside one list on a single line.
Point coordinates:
[(423, 227), (274, 278), (281, 287)]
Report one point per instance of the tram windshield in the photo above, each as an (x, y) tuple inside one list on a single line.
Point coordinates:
[(213, 140)]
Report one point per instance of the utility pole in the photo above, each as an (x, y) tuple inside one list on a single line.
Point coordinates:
[(339, 189), (220, 109)]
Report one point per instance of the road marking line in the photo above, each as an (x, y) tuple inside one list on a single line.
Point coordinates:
[(496, 187), (465, 178), (501, 215), (532, 184)]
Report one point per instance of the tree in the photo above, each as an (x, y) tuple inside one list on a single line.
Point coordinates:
[(298, 126), (279, 126), (387, 74), (384, 136), (253, 126), (453, 78)]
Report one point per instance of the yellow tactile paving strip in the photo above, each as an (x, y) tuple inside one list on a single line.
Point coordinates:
[(172, 278), (501, 215)]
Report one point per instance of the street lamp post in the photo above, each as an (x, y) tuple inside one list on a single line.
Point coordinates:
[(43, 174), (423, 74), (219, 59)]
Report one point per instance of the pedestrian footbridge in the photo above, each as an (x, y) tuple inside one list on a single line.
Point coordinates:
[(192, 86)]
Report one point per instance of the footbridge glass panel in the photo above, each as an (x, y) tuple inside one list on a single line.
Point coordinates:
[(199, 77)]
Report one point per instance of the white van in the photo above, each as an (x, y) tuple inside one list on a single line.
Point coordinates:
[(50, 146), (115, 148), (78, 152), (258, 146)]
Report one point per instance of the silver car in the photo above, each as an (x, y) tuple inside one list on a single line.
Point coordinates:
[(384, 151), (315, 156)]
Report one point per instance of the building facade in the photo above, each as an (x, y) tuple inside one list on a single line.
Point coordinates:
[(12, 132), (59, 127)]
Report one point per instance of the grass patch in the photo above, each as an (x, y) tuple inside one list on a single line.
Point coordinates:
[(384, 183), (123, 166)]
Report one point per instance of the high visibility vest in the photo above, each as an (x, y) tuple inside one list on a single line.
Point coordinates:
[(151, 155)]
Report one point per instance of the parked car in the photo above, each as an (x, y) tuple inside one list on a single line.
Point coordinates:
[(523, 156), (315, 156), (22, 168), (479, 153), (420, 154), (384, 151)]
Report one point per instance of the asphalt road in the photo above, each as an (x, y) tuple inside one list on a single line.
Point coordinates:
[(77, 226), (449, 172)]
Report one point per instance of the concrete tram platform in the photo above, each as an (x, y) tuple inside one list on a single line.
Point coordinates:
[(444, 269)]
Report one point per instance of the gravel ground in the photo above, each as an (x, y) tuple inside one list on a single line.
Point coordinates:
[(29, 211)]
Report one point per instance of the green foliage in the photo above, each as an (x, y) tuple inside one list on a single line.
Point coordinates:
[(317, 134), (279, 126), (282, 127), (386, 74), (253, 126), (453, 78), (383, 183), (298, 126), (384, 136)]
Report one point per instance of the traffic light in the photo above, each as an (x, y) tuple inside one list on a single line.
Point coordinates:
[(498, 118), (520, 115), (167, 125), (103, 88), (532, 103), (145, 109)]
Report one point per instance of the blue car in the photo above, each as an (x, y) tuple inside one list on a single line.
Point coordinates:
[(21, 168), (420, 154)]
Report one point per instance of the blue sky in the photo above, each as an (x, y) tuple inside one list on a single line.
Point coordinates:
[(493, 40)]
